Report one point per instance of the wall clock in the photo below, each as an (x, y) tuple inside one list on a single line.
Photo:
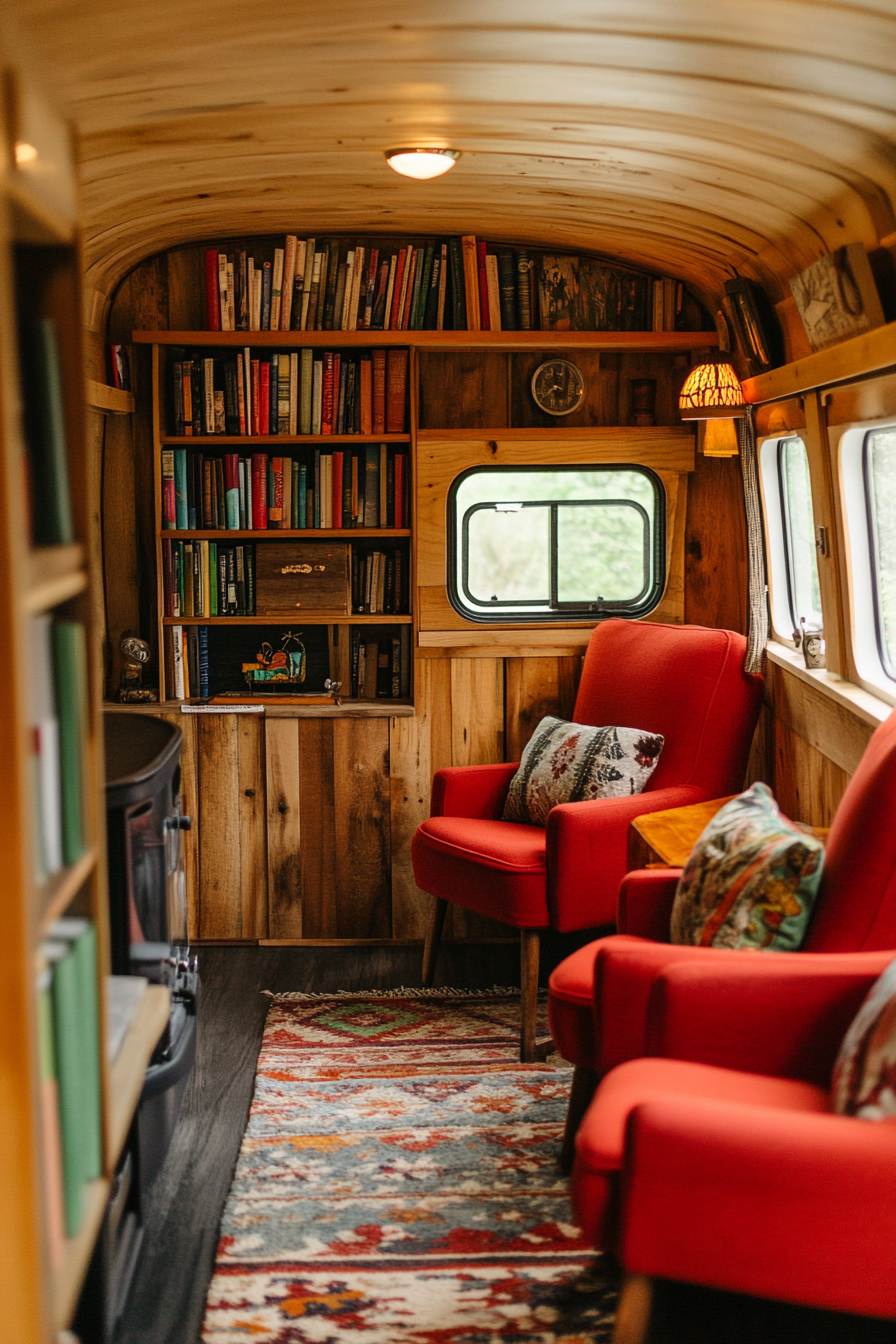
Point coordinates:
[(558, 386)]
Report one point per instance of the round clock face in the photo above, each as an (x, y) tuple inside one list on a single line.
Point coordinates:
[(558, 387)]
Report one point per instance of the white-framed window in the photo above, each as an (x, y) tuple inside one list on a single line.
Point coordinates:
[(795, 594), (553, 543), (867, 462)]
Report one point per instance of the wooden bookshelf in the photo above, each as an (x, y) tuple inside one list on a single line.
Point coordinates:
[(273, 440), (277, 533), (668, 342), (40, 264), (307, 618)]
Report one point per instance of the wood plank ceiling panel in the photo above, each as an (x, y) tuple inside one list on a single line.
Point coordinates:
[(691, 138)]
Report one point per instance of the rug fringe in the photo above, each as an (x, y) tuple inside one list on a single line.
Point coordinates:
[(402, 992)]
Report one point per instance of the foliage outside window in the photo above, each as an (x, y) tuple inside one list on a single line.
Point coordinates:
[(550, 543), (804, 593), (880, 496)]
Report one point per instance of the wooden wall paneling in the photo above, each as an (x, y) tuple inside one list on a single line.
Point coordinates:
[(477, 711), (253, 858), (318, 828), (418, 748), (534, 687), (808, 785), (715, 563), (186, 289), (464, 390), (670, 607), (761, 762), (667, 372), (825, 724), (362, 807), (121, 560), (283, 783)]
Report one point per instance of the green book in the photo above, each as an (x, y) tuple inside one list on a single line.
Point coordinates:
[(70, 684), (80, 934), (213, 576), (51, 521), (305, 391), (74, 1128)]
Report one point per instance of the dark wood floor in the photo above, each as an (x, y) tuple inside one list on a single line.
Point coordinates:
[(168, 1295)]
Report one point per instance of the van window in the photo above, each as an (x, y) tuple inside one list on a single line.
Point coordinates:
[(549, 543), (801, 563), (880, 498)]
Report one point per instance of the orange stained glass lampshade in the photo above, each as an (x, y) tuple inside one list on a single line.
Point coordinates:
[(711, 390)]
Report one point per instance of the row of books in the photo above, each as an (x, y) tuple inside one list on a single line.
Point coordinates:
[(380, 665), (204, 578), (186, 657), (380, 582), (57, 677), (298, 392), (460, 284), (363, 487), (69, 1045)]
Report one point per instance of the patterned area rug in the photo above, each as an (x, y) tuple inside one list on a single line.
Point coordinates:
[(398, 1183)]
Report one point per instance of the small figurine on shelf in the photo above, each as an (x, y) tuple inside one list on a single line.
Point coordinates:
[(285, 665), (136, 653)]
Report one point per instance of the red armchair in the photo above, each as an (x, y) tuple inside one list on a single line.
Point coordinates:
[(603, 1003), (685, 682), (745, 1181)]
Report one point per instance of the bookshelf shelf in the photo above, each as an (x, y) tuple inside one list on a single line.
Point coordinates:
[(306, 618), (280, 533), (668, 341), (109, 400), (126, 1073), (248, 440), (55, 895), (78, 1249), (56, 574)]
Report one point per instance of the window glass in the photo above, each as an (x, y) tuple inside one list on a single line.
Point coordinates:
[(799, 534), (880, 493), (544, 543)]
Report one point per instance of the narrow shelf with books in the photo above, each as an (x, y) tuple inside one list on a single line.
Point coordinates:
[(59, 1090)]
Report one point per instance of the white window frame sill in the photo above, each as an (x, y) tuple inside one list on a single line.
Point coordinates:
[(871, 709)]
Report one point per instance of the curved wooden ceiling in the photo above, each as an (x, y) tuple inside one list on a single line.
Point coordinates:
[(688, 136)]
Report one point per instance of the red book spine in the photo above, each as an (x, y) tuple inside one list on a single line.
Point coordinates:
[(396, 388), (212, 296), (275, 513), (260, 491), (264, 408), (337, 376), (241, 394), (256, 396), (392, 324), (400, 461), (326, 414), (484, 316), (337, 489)]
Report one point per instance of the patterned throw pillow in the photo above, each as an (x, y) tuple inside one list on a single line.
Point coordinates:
[(573, 763), (751, 879), (864, 1082)]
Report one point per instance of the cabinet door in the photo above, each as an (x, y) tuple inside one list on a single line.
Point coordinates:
[(189, 806), (233, 878), (284, 783), (346, 828)]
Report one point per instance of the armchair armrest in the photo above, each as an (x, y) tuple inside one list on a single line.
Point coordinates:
[(587, 853), (472, 790), (777, 1013), (645, 904), (711, 1189)]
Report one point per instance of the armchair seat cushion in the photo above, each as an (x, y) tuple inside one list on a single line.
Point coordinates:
[(495, 867), (571, 1007), (600, 1143)]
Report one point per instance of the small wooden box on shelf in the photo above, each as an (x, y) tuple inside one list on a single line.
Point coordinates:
[(47, 587)]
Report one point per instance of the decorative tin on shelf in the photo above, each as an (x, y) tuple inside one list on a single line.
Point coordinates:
[(284, 666)]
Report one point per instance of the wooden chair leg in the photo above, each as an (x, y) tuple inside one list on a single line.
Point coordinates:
[(633, 1312), (584, 1082), (435, 922), (529, 949)]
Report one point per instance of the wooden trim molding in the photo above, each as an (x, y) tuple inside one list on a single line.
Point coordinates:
[(109, 400), (868, 353)]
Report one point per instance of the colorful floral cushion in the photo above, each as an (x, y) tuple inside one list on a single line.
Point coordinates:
[(751, 880), (573, 763), (864, 1081)]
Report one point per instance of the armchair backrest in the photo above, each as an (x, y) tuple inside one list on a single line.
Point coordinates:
[(684, 681), (856, 906)]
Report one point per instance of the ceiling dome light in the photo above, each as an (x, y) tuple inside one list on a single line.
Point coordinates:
[(422, 163), (710, 391)]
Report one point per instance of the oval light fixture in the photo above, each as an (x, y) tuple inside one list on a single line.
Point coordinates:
[(711, 391), (422, 163)]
